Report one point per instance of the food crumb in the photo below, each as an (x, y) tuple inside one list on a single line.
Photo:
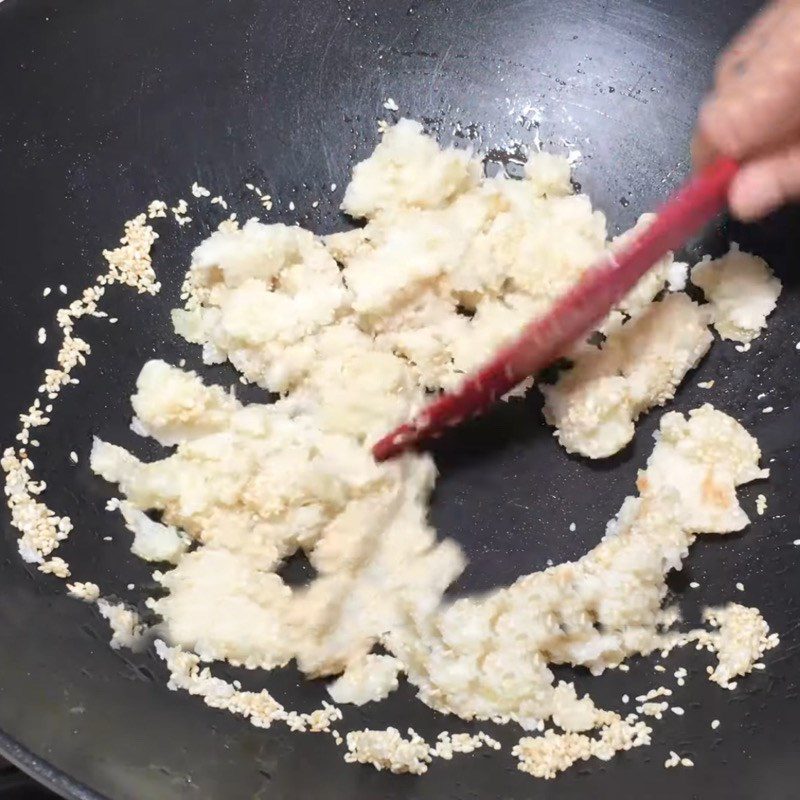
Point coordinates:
[(86, 591), (157, 208), (179, 212), (55, 566)]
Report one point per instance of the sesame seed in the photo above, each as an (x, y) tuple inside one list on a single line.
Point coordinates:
[(62, 289), (390, 105), (42, 336), (73, 457), (333, 189), (687, 762), (714, 724), (767, 410), (291, 205), (573, 526), (46, 291), (677, 710), (659, 668), (694, 585), (625, 698), (740, 586), (113, 320)]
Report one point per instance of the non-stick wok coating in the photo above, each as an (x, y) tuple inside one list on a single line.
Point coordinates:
[(107, 104)]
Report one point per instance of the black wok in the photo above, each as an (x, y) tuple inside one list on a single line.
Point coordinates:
[(106, 104)]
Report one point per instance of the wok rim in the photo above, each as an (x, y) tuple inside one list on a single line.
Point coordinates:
[(41, 770)]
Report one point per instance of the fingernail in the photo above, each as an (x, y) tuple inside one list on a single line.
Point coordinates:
[(754, 193)]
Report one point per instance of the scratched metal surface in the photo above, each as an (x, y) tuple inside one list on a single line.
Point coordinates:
[(105, 104)]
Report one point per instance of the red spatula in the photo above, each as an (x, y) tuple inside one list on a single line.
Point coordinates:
[(574, 314)]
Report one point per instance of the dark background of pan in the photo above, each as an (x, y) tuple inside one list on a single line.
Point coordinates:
[(106, 104)]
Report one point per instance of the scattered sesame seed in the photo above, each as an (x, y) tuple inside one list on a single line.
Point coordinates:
[(73, 457), (108, 538), (315, 204), (291, 205), (767, 410), (200, 191), (714, 724), (740, 586), (677, 710), (625, 698), (250, 186), (46, 291), (761, 505), (62, 289), (333, 189), (42, 336), (705, 384), (573, 526), (624, 668), (694, 585), (390, 105), (219, 201), (687, 762), (131, 586), (659, 668)]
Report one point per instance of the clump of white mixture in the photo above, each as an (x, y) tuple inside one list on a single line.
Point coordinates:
[(352, 331), (741, 290)]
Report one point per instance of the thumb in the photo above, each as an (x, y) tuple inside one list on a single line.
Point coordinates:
[(765, 184)]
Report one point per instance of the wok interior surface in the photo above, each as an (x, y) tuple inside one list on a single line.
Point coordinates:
[(107, 104)]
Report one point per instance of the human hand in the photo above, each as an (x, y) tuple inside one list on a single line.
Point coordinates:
[(753, 112)]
